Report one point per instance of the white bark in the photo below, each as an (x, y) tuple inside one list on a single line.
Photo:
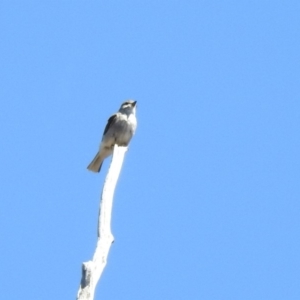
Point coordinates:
[(92, 270)]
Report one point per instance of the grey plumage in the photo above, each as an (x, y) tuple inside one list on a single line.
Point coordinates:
[(119, 130)]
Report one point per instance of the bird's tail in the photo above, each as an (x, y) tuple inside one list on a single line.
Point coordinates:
[(96, 163)]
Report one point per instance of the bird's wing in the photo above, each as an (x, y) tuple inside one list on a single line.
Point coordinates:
[(110, 122)]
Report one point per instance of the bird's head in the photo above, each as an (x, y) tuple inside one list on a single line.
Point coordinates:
[(128, 107)]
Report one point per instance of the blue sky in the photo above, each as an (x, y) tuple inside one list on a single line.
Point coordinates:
[(207, 204)]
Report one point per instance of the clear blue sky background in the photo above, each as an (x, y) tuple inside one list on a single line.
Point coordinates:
[(207, 205)]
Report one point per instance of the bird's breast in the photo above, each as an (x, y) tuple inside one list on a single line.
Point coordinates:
[(124, 129)]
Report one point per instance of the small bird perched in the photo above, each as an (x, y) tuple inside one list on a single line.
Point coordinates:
[(119, 130)]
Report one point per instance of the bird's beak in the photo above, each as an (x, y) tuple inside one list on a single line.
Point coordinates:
[(134, 103)]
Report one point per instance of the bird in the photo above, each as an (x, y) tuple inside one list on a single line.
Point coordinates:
[(119, 130)]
